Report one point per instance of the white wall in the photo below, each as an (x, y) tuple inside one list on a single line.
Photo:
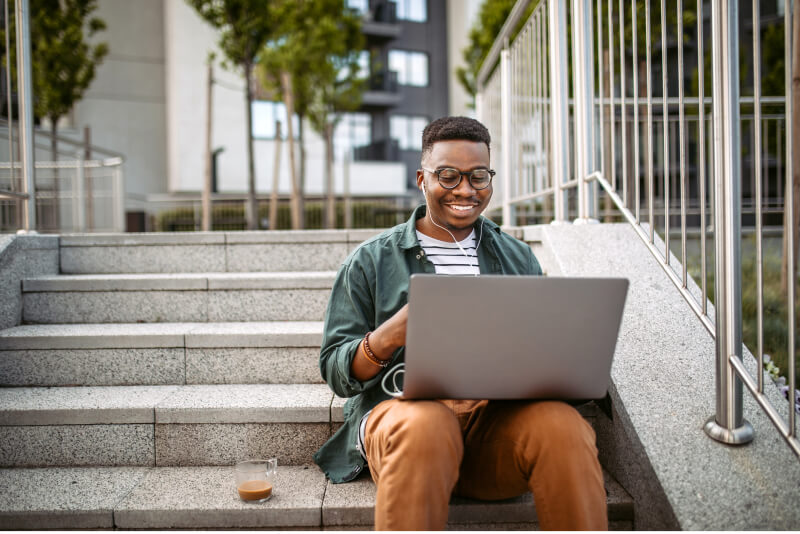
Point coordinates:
[(188, 42), (125, 105)]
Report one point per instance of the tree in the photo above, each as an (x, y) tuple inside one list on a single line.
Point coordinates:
[(312, 65), (336, 84), (63, 63), (244, 26), (491, 17)]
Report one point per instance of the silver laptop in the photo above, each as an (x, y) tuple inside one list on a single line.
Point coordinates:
[(511, 337)]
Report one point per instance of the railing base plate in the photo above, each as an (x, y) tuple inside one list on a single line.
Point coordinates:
[(736, 436)]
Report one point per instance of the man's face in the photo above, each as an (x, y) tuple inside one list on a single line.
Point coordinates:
[(455, 209)]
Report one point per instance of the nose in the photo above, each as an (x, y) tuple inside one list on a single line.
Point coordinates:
[(464, 187)]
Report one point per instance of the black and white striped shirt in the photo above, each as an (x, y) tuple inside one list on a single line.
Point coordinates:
[(448, 258)]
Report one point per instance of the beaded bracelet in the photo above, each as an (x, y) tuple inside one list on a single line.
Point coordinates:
[(369, 355)]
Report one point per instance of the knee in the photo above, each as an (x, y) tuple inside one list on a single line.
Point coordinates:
[(428, 429), (557, 427)]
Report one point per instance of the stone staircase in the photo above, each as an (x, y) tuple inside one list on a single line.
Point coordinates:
[(149, 364)]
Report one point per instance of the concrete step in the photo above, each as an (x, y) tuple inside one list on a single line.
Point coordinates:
[(318, 250), (164, 425), (192, 297), (205, 498), (160, 354)]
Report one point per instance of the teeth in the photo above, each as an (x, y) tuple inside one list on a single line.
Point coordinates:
[(460, 208)]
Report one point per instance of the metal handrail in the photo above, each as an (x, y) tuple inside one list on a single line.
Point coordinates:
[(529, 107)]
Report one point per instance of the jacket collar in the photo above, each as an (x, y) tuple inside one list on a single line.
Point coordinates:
[(408, 237)]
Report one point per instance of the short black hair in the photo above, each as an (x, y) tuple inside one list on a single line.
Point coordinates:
[(454, 128)]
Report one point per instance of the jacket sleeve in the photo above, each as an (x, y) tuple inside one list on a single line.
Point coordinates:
[(347, 319)]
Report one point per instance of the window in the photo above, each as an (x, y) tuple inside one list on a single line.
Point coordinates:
[(411, 67), (407, 130), (353, 130), (264, 116), (358, 5), (413, 10)]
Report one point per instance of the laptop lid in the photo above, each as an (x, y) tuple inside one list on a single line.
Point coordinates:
[(511, 337)]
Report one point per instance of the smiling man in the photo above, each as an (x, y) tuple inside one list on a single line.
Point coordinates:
[(420, 453)]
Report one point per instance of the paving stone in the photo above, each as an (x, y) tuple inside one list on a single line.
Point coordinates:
[(60, 498), (95, 336), (285, 257), (92, 367), (142, 239), (81, 405), (287, 236), (77, 445), (272, 280), (285, 365), (268, 305), (116, 307), (252, 403), (205, 497), (255, 334), (225, 444), (117, 282), (143, 259)]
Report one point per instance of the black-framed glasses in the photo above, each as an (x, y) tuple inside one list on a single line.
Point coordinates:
[(449, 178)]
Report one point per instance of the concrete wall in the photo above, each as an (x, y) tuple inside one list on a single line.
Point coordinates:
[(22, 256)]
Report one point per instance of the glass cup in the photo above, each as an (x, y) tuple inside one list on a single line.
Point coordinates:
[(255, 479)]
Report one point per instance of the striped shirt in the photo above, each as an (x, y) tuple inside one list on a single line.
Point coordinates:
[(448, 258)]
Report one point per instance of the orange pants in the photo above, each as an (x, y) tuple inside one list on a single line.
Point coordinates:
[(422, 452)]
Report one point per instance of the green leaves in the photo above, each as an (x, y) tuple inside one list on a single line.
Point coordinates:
[(63, 62), (244, 26), (318, 42)]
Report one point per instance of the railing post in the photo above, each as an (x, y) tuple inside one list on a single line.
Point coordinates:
[(559, 111), (119, 198), (505, 127), (80, 193), (728, 425), (24, 88), (583, 85)]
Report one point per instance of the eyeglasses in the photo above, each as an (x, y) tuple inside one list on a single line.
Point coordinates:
[(449, 178)]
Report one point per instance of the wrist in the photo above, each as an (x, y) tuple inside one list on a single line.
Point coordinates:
[(381, 345), (370, 356)]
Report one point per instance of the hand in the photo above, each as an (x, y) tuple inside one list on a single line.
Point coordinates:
[(391, 335), (388, 337)]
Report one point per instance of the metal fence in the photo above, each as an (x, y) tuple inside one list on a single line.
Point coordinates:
[(588, 126), (70, 196)]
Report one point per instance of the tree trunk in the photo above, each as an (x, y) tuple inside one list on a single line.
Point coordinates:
[(206, 200), (276, 172), (252, 203), (56, 177), (790, 227), (301, 197), (330, 204), (288, 99)]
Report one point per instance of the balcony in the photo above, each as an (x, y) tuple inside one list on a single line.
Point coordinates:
[(382, 90), (381, 150), (380, 21)]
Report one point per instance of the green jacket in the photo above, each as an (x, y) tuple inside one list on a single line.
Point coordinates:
[(371, 285)]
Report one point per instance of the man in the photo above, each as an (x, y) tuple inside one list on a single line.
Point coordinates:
[(421, 452)]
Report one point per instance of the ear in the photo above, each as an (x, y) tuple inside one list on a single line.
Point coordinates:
[(420, 180)]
